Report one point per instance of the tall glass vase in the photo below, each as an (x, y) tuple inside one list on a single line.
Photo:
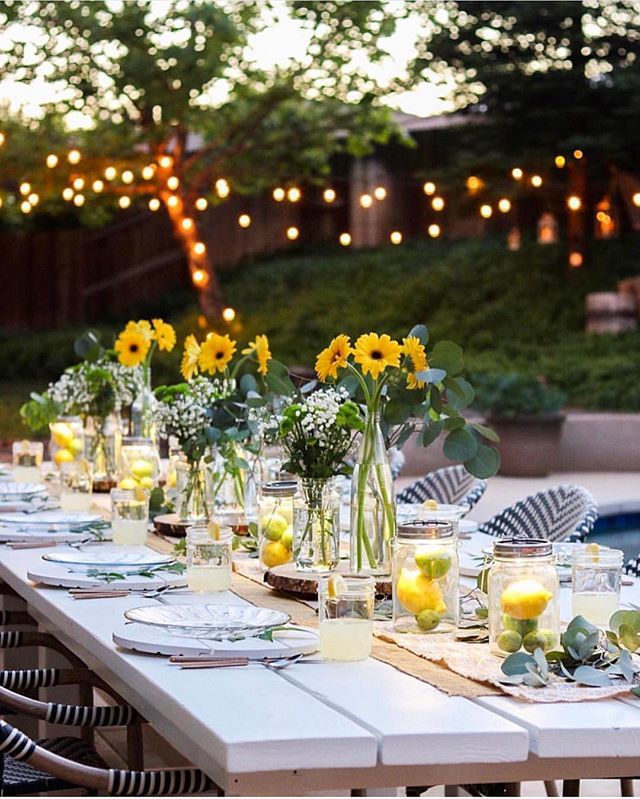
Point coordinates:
[(316, 525), (193, 490), (373, 519), (102, 439), (142, 411)]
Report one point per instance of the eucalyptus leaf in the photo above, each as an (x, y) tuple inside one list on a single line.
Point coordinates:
[(431, 432), (460, 445), (421, 333), (485, 432), (511, 679), (541, 661), (534, 680), (516, 663), (636, 691), (485, 463), (588, 675), (248, 384), (625, 664), (588, 646), (447, 355), (628, 637), (431, 375)]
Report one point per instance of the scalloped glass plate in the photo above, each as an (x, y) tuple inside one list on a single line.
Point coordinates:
[(51, 520), (11, 490), (109, 558), (216, 622)]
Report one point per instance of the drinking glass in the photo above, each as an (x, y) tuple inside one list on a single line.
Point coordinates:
[(76, 484), (596, 576), (129, 516), (209, 553), (345, 611), (27, 460)]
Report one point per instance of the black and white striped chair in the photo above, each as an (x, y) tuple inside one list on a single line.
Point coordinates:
[(115, 782), (561, 513), (452, 485), (632, 566)]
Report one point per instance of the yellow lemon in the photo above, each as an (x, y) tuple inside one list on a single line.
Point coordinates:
[(287, 538), (525, 599), (416, 592), (62, 434), (139, 493), (273, 526), (433, 562), (128, 483), (172, 479), (141, 468), (274, 553), (336, 585), (62, 456), (430, 504), (146, 482)]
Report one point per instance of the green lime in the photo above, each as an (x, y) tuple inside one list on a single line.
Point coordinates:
[(535, 640), (428, 620), (434, 562), (522, 626), (509, 641), (551, 638)]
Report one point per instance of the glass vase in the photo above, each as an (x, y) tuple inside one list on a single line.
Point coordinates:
[(142, 411), (373, 521), (102, 439), (194, 490), (316, 525)]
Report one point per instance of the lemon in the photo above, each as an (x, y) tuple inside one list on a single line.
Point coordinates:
[(62, 434), (509, 641), (141, 468), (550, 637), (287, 538), (77, 446), (522, 626), (273, 526), (430, 504), (416, 592), (214, 530), (525, 599), (139, 493), (128, 483), (433, 562), (428, 620), (62, 456), (172, 479), (146, 482), (274, 553), (535, 640), (336, 586)]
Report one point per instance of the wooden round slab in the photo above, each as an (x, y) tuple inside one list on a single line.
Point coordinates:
[(170, 524), (305, 584)]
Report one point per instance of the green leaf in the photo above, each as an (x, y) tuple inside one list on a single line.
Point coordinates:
[(248, 384), (460, 393), (397, 412), (482, 613), (485, 463), (588, 646), (447, 355), (431, 432), (636, 691), (628, 637), (460, 445), (485, 432), (517, 663), (421, 333), (482, 580), (431, 375), (588, 675)]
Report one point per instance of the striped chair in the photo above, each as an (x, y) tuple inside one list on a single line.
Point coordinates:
[(452, 485), (565, 512)]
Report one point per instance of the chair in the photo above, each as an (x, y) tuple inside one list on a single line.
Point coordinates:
[(565, 512), (452, 485)]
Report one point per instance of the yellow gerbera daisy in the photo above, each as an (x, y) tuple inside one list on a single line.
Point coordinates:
[(413, 348), (164, 334), (261, 348), (132, 347), (333, 357), (215, 353), (374, 353), (143, 327), (190, 357)]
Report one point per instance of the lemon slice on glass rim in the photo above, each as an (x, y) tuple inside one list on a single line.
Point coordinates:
[(336, 586), (214, 530)]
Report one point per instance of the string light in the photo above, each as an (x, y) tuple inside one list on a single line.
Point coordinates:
[(3, 138), (395, 237), (78, 200), (78, 184), (1, 202), (199, 248), (576, 259), (25, 188), (504, 205), (517, 173), (187, 224), (486, 211), (292, 233), (147, 172), (110, 173), (279, 194), (200, 277), (228, 314), (165, 161), (97, 186), (536, 181), (433, 231), (154, 204), (127, 176), (574, 203), (577, 154), (294, 194), (329, 195), (124, 202), (173, 182), (636, 199), (222, 188), (74, 156), (474, 183), (173, 201), (560, 161), (201, 204), (244, 220), (345, 239), (437, 203), (366, 200), (380, 192), (67, 194), (34, 199), (52, 161), (25, 206), (429, 188)]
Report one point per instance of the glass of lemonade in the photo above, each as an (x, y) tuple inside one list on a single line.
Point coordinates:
[(596, 576), (209, 552), (27, 460), (345, 611), (129, 516), (76, 485)]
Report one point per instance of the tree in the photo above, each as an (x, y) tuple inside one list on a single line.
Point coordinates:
[(173, 110)]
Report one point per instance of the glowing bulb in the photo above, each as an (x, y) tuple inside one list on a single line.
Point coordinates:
[(486, 211), (517, 173), (504, 205), (396, 237), (52, 161), (329, 195), (345, 239), (560, 161), (279, 194), (244, 220), (165, 161), (154, 204), (576, 259), (110, 173), (429, 188), (97, 186), (380, 192), (127, 176), (434, 231), (2, 139), (25, 188), (33, 198), (124, 202), (25, 206), (577, 154), (536, 181), (228, 314), (74, 156), (292, 233), (636, 199), (79, 200), (574, 203), (437, 203), (294, 194), (222, 188), (366, 200), (200, 277), (173, 201), (147, 172), (173, 182), (67, 194), (1, 200), (201, 204), (473, 183), (199, 248), (187, 223), (78, 184)]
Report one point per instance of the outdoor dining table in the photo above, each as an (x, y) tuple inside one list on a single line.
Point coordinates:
[(329, 726)]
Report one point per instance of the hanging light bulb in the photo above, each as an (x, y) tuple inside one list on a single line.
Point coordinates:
[(504, 205), (97, 186), (173, 182), (67, 194), (147, 172), (636, 199), (474, 183), (200, 277), (187, 224), (486, 211), (228, 314), (199, 248), (434, 231), (437, 203), (165, 161), (154, 204), (201, 204), (124, 202), (345, 239), (517, 173), (366, 200), (429, 188), (78, 184), (560, 161), (25, 188), (244, 220), (279, 194), (380, 192), (74, 156), (127, 176), (576, 259), (25, 206), (222, 188), (33, 198), (173, 201), (110, 173), (577, 154), (329, 195), (292, 233), (294, 194), (79, 200), (3, 138), (536, 181), (574, 203), (52, 161), (396, 237)]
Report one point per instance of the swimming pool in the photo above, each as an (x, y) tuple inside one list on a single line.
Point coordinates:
[(621, 531)]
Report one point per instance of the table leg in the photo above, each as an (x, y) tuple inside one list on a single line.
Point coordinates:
[(571, 788)]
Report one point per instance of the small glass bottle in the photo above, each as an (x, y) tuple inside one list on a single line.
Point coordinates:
[(139, 463), (345, 614), (595, 582), (209, 555), (523, 596), (275, 522), (425, 578)]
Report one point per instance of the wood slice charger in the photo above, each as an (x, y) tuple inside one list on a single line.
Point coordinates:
[(285, 578), (170, 524)]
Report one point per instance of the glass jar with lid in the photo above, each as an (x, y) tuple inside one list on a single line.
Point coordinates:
[(275, 522), (596, 575), (523, 596), (425, 577), (139, 463)]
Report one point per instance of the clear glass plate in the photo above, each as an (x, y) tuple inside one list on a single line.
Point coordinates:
[(215, 622), (124, 560), (11, 490), (51, 520)]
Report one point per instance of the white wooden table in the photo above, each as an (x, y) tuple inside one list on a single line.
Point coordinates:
[(334, 725)]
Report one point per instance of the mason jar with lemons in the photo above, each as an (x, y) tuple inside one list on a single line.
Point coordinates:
[(523, 597), (139, 464), (67, 440), (275, 522)]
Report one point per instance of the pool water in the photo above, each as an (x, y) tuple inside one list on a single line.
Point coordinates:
[(619, 532)]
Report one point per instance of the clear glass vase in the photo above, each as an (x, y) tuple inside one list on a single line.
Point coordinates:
[(194, 490), (316, 525), (373, 518), (102, 440), (143, 423)]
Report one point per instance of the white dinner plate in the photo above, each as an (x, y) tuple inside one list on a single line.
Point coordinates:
[(10, 490), (51, 520), (109, 558)]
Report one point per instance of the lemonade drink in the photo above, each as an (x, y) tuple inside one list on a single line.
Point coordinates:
[(129, 532), (596, 577), (208, 579), (27, 459), (209, 552), (75, 501), (27, 474), (346, 639), (129, 516), (346, 616), (596, 606)]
